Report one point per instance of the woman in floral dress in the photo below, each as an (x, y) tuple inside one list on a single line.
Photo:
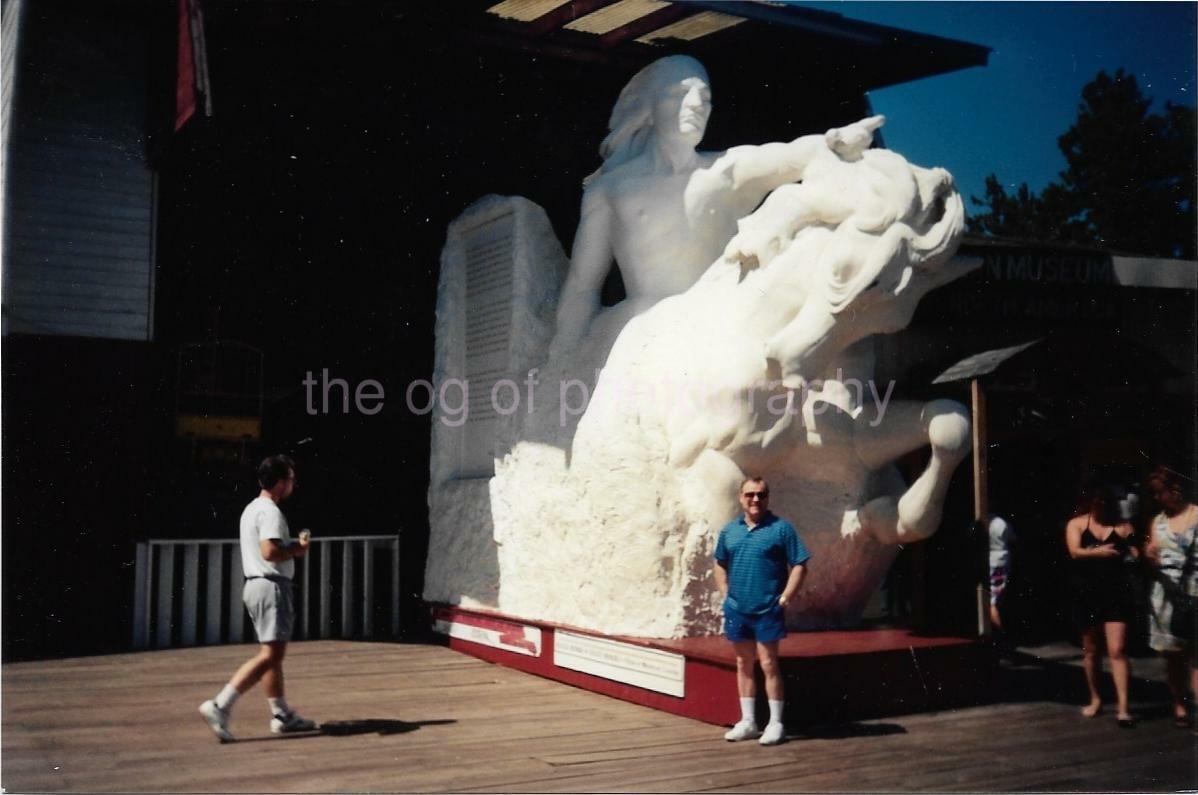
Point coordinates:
[(1173, 551)]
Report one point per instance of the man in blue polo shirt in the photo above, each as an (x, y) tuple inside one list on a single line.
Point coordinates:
[(760, 561)]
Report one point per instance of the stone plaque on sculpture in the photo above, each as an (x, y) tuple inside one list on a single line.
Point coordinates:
[(488, 314), (756, 279), (501, 270)]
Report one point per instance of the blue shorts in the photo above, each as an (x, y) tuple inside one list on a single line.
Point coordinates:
[(765, 628)]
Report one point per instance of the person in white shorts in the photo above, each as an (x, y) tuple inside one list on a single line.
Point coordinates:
[(267, 559)]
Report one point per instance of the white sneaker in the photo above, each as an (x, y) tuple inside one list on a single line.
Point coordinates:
[(774, 733), (290, 722), (217, 719), (744, 730)]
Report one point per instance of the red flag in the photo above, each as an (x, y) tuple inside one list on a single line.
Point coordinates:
[(191, 80), (185, 77)]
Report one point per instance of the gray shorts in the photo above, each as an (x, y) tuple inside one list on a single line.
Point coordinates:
[(270, 606)]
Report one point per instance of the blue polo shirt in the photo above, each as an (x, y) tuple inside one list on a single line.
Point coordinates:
[(758, 561)]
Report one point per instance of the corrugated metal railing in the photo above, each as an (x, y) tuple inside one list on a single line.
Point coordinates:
[(188, 592)]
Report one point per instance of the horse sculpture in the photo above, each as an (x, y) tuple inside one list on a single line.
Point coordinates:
[(764, 365), (761, 364)]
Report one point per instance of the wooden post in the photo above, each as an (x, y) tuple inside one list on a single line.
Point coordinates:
[(981, 496)]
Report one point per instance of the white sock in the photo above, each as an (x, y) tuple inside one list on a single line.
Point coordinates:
[(747, 709), (225, 698), (278, 706), (776, 711)]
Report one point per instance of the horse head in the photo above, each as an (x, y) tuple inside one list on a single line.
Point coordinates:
[(867, 275)]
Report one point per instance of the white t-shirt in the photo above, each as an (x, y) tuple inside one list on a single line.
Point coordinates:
[(261, 520), (1001, 536)]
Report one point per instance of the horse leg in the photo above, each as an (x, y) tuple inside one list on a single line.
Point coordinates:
[(914, 516)]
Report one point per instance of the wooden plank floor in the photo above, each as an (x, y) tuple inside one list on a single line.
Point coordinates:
[(418, 718)]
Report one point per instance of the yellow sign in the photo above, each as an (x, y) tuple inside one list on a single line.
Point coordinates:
[(234, 429)]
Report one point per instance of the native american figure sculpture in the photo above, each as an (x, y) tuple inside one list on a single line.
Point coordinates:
[(744, 347)]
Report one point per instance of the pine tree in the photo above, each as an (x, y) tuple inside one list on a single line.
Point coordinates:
[(1129, 185)]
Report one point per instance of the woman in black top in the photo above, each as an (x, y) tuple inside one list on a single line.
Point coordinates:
[(1101, 545)]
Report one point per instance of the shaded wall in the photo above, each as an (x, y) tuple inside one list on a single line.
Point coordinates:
[(305, 218), (1109, 389), (79, 192), (80, 405)]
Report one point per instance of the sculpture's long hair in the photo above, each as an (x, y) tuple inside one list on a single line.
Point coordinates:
[(631, 122)]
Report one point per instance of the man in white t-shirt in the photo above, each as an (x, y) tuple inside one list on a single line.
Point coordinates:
[(267, 559)]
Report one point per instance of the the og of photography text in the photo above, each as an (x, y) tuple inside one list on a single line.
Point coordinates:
[(450, 398)]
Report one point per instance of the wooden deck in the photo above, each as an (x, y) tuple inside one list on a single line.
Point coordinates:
[(422, 718)]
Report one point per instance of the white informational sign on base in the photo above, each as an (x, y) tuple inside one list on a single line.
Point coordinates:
[(652, 669)]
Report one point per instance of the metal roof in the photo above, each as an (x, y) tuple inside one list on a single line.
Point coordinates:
[(627, 32)]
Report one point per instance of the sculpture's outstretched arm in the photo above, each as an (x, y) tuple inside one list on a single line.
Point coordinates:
[(744, 175), (590, 262), (850, 142), (749, 173)]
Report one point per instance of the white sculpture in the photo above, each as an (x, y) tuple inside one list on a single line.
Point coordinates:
[(663, 210), (742, 348)]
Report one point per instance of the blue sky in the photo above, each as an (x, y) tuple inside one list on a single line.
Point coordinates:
[(1006, 117)]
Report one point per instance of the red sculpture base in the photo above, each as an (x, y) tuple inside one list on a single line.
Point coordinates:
[(830, 675)]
